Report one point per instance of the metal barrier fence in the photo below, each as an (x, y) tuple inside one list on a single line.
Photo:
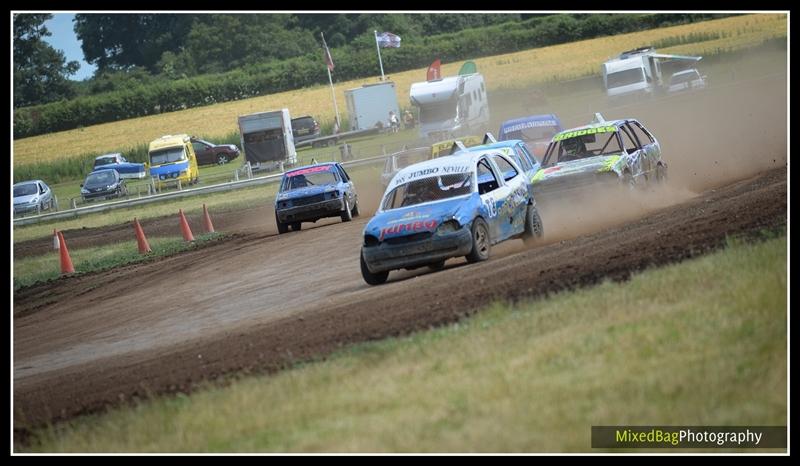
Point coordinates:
[(237, 183)]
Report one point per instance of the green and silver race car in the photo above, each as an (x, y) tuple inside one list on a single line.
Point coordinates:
[(617, 151)]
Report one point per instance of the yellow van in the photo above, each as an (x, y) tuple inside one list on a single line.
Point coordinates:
[(172, 158)]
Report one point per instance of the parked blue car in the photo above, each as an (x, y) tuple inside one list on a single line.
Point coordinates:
[(456, 205), (310, 193), (535, 130), (116, 161)]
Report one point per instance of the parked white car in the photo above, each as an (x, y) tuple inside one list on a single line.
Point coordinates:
[(33, 196), (686, 80)]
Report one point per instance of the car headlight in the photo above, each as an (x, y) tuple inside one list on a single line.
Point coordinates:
[(111, 186), (35, 200), (162, 177), (450, 226), (84, 191)]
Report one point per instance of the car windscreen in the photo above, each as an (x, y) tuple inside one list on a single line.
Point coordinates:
[(535, 134), (104, 161), (301, 122), (582, 146), (101, 178), (25, 189), (173, 154), (317, 176), (440, 111), (625, 77), (433, 188)]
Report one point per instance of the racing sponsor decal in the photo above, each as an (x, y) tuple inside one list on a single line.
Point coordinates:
[(305, 171), (609, 164), (581, 132), (410, 227), (528, 124), (443, 170), (408, 216), (491, 208)]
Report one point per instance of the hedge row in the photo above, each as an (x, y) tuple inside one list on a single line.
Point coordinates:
[(307, 70)]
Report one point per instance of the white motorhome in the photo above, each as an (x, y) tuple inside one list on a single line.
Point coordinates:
[(267, 139), (452, 106), (636, 72), (370, 104)]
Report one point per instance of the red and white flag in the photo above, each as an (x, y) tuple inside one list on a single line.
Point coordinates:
[(328, 59), (435, 70)]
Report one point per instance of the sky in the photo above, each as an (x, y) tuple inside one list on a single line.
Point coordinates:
[(63, 38)]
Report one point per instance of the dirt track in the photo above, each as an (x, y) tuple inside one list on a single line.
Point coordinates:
[(259, 301)]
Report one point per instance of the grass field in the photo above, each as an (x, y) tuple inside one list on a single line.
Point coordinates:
[(703, 342), (509, 71), (46, 267)]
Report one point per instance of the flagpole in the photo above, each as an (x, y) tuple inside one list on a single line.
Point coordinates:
[(379, 54), (330, 80)]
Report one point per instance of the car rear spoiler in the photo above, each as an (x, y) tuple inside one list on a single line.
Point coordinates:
[(489, 138), (598, 118), (457, 146)]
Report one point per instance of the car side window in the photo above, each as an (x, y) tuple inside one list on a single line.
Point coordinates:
[(525, 162), (506, 169), (644, 137), (487, 181), (41, 188), (343, 174), (627, 140)]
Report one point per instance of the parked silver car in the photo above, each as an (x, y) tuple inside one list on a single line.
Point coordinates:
[(33, 196), (686, 80)]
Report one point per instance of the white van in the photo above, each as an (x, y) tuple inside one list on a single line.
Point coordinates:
[(451, 107)]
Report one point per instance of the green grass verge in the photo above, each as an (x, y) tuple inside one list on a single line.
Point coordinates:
[(697, 343), (30, 270)]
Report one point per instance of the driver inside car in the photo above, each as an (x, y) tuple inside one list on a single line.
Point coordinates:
[(573, 148)]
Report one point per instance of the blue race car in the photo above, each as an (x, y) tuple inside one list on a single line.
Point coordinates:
[(535, 130), (456, 205), (116, 161), (310, 193)]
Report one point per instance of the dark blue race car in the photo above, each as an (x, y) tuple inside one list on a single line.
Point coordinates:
[(310, 193)]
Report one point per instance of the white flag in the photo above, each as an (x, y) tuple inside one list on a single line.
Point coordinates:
[(388, 40)]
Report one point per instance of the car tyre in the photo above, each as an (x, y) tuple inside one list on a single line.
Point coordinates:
[(370, 277), (438, 265), (347, 214), (282, 227), (296, 226), (533, 225), (356, 213), (481, 242), (661, 173), (222, 159)]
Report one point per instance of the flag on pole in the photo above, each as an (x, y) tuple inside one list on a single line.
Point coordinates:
[(388, 40), (328, 59), (435, 70)]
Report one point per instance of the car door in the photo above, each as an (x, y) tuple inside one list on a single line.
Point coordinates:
[(493, 193), (44, 194), (516, 203), (637, 162), (651, 150), (352, 195)]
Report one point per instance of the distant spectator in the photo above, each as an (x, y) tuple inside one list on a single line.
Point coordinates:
[(394, 122), (408, 120)]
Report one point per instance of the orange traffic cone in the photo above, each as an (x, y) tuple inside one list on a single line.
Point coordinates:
[(55, 240), (141, 240), (66, 261), (207, 220), (187, 232)]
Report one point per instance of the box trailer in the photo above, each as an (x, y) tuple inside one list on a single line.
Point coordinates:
[(267, 139), (370, 104), (451, 107)]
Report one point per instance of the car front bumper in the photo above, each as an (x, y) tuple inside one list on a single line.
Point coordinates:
[(435, 248), (25, 208), (311, 212)]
